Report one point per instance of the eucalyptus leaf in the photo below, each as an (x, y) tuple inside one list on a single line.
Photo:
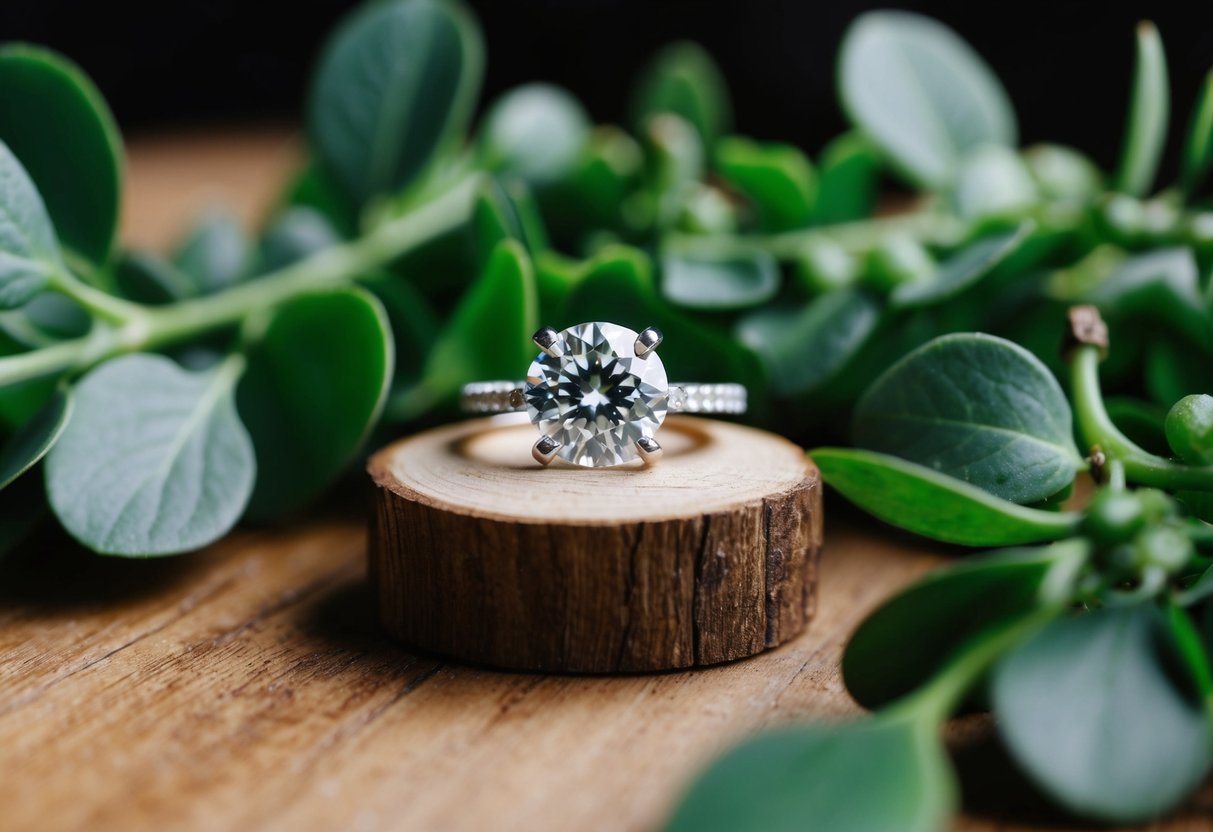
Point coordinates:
[(1099, 712), (683, 79), (56, 122), (881, 775), (29, 252), (147, 278), (976, 408), (778, 179), (488, 335), (414, 324), (964, 269), (921, 94), (926, 502), (1149, 110), (1197, 155), (946, 610), (154, 460), (297, 233), (215, 254), (35, 438), (536, 132), (847, 180), (396, 84), (993, 181), (804, 348), (316, 383), (709, 275), (1062, 172)]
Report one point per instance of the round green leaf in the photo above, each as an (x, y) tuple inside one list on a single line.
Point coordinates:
[(777, 178), (934, 505), (536, 132), (847, 180), (993, 181), (921, 94), (875, 776), (976, 408), (315, 386), (804, 348), (298, 233), (683, 79), (714, 276), (945, 611), (58, 125), (154, 460), (1104, 714), (29, 252), (35, 438), (215, 254), (396, 83)]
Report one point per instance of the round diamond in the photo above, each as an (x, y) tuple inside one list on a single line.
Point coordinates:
[(596, 398)]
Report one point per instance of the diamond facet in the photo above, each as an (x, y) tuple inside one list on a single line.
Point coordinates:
[(597, 398)]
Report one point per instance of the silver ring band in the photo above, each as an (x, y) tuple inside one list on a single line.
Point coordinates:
[(507, 397)]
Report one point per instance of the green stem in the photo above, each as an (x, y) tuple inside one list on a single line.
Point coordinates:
[(928, 226), (128, 327), (1097, 428)]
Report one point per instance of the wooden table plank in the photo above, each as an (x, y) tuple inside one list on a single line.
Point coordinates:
[(246, 686)]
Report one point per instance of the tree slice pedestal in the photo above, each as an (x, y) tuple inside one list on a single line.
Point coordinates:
[(479, 553)]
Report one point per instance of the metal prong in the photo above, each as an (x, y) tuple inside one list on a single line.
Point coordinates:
[(548, 340), (647, 341), (545, 450), (650, 451)]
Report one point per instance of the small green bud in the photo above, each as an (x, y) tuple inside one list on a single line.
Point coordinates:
[(1189, 428), (1164, 545), (898, 259), (1114, 517), (822, 265)]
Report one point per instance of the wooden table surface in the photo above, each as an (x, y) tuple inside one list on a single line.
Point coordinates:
[(246, 686)]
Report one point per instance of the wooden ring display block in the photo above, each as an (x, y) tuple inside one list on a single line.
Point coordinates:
[(710, 555)]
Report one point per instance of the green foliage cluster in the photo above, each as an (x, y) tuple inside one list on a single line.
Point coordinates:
[(152, 401)]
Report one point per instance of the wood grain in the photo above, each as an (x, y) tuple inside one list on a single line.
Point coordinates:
[(711, 555), (247, 686)]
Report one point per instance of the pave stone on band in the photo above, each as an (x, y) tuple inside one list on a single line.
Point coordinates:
[(597, 393)]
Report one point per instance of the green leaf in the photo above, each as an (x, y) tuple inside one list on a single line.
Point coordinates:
[(396, 84), (29, 253), (675, 166), (503, 212), (935, 505), (58, 125), (536, 132), (1062, 172), (215, 254), (921, 94), (708, 274), (154, 460), (1197, 155), (414, 324), (1161, 285), (880, 775), (145, 277), (314, 187), (993, 181), (30, 444), (617, 285), (1146, 128), (976, 408), (964, 269), (777, 178), (1099, 713), (315, 386), (804, 348), (847, 180), (946, 610), (489, 334), (683, 79), (297, 233)]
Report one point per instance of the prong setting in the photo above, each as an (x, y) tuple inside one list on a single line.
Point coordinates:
[(548, 340), (545, 450), (650, 450), (647, 341)]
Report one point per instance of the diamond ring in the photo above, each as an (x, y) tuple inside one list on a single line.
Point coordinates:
[(598, 392)]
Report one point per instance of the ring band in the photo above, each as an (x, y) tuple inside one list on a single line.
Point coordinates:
[(684, 397)]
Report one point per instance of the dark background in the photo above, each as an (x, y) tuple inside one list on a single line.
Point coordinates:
[(201, 62)]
